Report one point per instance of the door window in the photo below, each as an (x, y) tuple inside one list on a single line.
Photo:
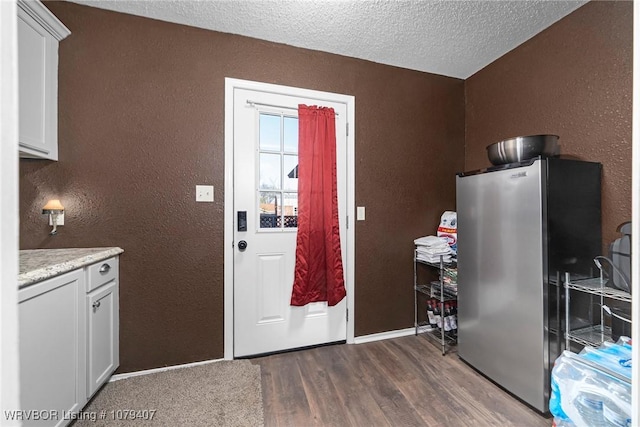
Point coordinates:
[(278, 171)]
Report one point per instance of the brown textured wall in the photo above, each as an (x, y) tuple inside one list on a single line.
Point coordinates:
[(574, 80), (141, 107)]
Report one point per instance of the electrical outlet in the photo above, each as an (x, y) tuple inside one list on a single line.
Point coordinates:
[(204, 193), (60, 220)]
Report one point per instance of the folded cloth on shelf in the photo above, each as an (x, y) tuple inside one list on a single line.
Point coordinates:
[(434, 259), (426, 250), (431, 241), (433, 255), (432, 248)]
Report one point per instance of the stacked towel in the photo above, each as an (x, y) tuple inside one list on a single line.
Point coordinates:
[(431, 248)]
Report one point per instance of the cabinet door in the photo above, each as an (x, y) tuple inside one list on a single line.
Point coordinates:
[(52, 349), (103, 341), (37, 89)]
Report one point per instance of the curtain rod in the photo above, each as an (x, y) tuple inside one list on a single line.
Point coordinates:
[(253, 104)]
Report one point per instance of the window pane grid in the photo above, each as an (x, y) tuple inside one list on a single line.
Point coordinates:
[(278, 172)]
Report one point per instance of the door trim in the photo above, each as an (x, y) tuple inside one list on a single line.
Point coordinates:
[(232, 84), (9, 218)]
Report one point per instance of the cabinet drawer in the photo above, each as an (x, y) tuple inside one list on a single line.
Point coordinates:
[(102, 272)]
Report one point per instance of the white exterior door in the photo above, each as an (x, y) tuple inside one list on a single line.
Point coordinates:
[(265, 140)]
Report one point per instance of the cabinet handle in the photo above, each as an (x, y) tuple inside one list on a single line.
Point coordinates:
[(105, 268), (96, 304)]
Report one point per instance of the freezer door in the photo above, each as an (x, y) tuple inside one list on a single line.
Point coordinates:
[(500, 279)]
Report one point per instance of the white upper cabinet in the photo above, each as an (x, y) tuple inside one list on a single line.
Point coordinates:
[(39, 32)]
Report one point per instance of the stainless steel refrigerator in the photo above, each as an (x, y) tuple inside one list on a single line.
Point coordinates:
[(521, 226)]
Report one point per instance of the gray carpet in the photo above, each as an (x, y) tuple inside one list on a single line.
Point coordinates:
[(225, 393)]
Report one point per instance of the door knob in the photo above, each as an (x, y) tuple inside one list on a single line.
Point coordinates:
[(242, 245)]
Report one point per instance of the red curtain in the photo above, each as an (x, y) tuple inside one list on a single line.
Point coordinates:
[(318, 271)]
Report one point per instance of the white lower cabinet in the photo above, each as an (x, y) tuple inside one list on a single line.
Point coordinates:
[(69, 341), (102, 325), (52, 333)]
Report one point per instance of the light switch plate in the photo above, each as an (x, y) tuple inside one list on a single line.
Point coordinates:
[(204, 193), (360, 213)]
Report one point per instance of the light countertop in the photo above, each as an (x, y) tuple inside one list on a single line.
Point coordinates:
[(41, 264)]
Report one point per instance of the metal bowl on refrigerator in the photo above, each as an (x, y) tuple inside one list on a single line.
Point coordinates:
[(522, 148)]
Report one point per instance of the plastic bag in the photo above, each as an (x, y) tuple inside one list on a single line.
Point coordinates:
[(448, 229), (587, 389)]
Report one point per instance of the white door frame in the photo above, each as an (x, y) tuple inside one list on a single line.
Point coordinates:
[(230, 85), (9, 358)]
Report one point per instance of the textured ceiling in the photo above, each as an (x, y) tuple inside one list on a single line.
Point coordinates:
[(448, 37)]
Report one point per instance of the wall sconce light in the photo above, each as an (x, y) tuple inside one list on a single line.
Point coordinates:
[(53, 208)]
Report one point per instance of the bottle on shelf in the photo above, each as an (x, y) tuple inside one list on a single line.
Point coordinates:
[(430, 315), (454, 317), (446, 322), (437, 313)]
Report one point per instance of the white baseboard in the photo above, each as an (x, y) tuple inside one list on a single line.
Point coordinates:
[(358, 340), (126, 375), (390, 334)]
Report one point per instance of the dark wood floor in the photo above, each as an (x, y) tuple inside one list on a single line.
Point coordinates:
[(397, 382)]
